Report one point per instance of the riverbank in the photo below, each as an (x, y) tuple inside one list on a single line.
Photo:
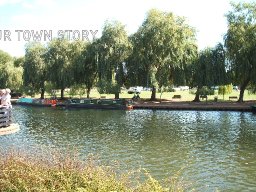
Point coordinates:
[(58, 172), (204, 106), (189, 105)]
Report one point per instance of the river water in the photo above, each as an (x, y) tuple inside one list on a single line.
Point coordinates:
[(210, 150)]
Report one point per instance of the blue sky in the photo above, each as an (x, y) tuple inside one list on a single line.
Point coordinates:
[(206, 16)]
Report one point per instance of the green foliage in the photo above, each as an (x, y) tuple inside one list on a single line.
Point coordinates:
[(225, 89), (252, 89), (114, 48), (34, 66), (206, 91), (49, 87), (11, 76), (74, 90), (240, 42), (19, 62), (28, 90), (61, 172), (4, 57), (105, 87), (81, 91), (59, 57), (163, 43), (161, 53), (210, 67), (85, 66), (229, 88)]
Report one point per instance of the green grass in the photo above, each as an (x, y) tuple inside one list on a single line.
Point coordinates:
[(185, 95), (57, 172)]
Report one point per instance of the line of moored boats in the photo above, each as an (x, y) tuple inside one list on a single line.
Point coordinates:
[(78, 103)]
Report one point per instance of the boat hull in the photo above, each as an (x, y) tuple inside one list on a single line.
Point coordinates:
[(78, 103), (90, 106), (95, 104)]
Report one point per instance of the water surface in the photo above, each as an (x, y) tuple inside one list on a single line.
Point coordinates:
[(210, 150)]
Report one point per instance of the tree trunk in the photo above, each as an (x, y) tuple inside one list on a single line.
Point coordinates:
[(161, 95), (116, 95), (242, 88), (197, 97), (88, 93), (42, 93), (62, 93), (153, 95)]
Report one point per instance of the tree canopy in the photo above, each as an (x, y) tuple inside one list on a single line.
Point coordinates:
[(161, 53), (240, 42), (34, 75), (209, 69), (163, 42)]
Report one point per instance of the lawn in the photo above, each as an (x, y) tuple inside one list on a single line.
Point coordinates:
[(185, 95)]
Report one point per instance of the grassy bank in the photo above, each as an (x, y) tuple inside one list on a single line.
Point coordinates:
[(67, 173), (185, 95)]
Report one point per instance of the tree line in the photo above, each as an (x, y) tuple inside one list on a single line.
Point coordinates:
[(162, 52)]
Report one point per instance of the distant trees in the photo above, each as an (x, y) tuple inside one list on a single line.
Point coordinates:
[(240, 42), (85, 66), (163, 52), (209, 69), (35, 73), (10, 75), (58, 59), (163, 43), (225, 89), (115, 48)]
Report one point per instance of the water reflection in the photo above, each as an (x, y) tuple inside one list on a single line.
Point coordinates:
[(216, 149)]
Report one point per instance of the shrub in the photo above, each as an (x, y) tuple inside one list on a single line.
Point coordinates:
[(58, 172), (206, 91)]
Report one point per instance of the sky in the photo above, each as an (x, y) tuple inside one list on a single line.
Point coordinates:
[(21, 20)]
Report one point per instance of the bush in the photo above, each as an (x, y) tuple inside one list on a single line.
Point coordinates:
[(58, 172), (206, 91), (225, 89)]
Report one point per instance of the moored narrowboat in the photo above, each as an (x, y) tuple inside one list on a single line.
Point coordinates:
[(78, 103), (36, 102), (96, 104)]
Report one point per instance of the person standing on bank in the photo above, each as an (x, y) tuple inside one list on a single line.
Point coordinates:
[(1, 95), (6, 98)]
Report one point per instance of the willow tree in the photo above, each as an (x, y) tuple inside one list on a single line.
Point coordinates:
[(10, 75), (19, 61), (240, 42), (164, 39), (85, 66), (209, 69), (138, 72), (114, 51), (58, 58), (5, 57), (34, 75)]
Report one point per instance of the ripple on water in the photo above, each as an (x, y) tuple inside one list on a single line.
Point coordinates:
[(212, 150)]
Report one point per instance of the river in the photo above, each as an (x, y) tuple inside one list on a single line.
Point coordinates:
[(210, 150)]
